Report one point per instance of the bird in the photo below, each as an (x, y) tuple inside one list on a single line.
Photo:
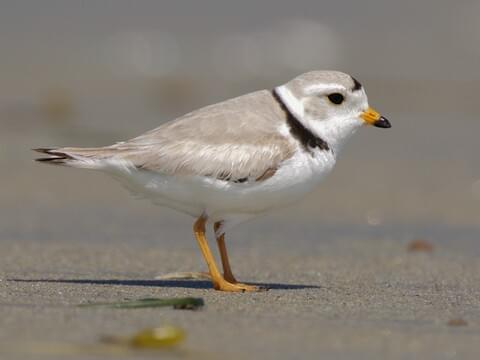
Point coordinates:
[(232, 161)]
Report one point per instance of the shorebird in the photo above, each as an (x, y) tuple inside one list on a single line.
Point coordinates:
[(232, 161)]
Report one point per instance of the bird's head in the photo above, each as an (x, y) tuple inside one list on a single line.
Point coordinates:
[(331, 104)]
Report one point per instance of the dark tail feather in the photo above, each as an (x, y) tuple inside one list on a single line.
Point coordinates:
[(87, 158), (56, 157)]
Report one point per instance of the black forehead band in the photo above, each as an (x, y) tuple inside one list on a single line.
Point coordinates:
[(357, 85)]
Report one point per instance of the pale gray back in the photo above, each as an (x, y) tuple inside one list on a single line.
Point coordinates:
[(235, 139)]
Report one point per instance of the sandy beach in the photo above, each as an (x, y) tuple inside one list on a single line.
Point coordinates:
[(343, 283), (344, 299)]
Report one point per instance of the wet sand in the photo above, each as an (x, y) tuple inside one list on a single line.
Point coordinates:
[(344, 299)]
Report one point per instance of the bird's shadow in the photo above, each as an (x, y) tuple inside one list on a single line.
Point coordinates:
[(188, 284)]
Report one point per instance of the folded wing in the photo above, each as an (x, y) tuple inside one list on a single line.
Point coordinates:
[(237, 140)]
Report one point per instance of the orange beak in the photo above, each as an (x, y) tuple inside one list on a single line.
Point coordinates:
[(372, 117)]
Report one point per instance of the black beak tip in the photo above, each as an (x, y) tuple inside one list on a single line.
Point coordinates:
[(382, 123)]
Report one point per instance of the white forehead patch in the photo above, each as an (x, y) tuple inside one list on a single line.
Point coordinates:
[(316, 88)]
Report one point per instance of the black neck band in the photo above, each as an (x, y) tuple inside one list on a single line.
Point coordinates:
[(306, 138)]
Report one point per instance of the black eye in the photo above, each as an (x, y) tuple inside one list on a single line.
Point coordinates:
[(336, 98)]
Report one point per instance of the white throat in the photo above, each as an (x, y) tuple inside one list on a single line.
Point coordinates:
[(335, 131)]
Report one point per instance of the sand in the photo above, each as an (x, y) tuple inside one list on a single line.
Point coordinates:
[(342, 299)]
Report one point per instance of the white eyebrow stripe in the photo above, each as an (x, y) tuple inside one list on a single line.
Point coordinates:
[(312, 89), (294, 105)]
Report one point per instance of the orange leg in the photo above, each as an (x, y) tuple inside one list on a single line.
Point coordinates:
[(227, 270), (219, 283)]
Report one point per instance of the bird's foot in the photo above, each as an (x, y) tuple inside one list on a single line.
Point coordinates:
[(237, 287)]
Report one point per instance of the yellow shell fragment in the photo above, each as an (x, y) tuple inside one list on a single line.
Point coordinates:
[(157, 337)]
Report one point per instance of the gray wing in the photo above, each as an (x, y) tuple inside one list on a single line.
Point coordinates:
[(236, 140)]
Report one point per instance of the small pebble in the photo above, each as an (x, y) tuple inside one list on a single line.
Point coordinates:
[(420, 245), (457, 322)]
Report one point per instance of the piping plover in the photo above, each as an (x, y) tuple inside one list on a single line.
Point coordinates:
[(231, 161)]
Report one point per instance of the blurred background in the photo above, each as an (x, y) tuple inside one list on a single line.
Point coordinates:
[(89, 73)]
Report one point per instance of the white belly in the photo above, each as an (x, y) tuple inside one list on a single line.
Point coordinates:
[(221, 200)]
